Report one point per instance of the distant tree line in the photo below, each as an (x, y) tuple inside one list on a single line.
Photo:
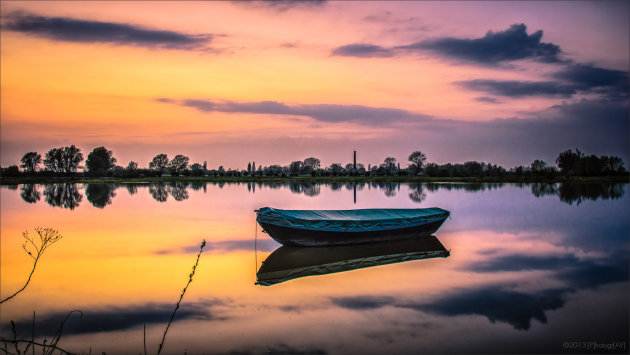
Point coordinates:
[(65, 161)]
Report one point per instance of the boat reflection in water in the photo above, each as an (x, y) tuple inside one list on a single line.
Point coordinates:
[(291, 262)]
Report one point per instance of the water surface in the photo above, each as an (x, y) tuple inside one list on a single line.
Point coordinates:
[(533, 268)]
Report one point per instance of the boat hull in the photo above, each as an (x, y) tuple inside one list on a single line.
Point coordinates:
[(309, 237)]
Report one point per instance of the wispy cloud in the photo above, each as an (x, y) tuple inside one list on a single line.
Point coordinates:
[(573, 78), (86, 31), (587, 77), (362, 50), (495, 47), (282, 5), (321, 112), (509, 45), (514, 88)]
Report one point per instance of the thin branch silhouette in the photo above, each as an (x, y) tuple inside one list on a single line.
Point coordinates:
[(181, 296), (35, 249)]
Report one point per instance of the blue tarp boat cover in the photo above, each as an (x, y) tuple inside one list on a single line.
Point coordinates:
[(351, 220)]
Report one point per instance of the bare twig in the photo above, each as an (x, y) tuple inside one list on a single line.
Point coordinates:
[(44, 346), (47, 237), (57, 337), (144, 338), (181, 296)]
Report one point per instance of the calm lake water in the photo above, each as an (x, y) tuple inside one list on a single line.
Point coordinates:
[(532, 269)]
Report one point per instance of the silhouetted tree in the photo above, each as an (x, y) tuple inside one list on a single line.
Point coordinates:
[(196, 169), (417, 160), (11, 170), (159, 164), (63, 159), (30, 193), (473, 168), (568, 161), (295, 167), (132, 166), (538, 166), (100, 195), (53, 160), (310, 164), (100, 161), (336, 168), (30, 161), (389, 164)]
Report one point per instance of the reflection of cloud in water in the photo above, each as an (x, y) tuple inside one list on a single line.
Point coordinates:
[(224, 246), (117, 318), (281, 349), (500, 304), (362, 302), (513, 307)]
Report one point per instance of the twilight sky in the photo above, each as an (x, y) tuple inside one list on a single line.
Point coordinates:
[(230, 82)]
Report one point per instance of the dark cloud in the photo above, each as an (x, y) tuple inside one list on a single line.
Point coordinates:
[(282, 5), (117, 318), (320, 112), (362, 50), (589, 76), (495, 47), (490, 100), (362, 302), (597, 126), (586, 77), (85, 31), (513, 88)]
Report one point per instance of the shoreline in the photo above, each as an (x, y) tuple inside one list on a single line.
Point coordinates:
[(310, 179)]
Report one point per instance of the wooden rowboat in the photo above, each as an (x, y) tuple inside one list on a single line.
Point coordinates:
[(338, 227)]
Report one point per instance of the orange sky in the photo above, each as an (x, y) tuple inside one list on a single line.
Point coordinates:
[(64, 82)]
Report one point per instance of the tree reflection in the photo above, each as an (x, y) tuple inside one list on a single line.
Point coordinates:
[(390, 188), (100, 195), (63, 195), (30, 193), (158, 191), (312, 190), (179, 190), (132, 188), (544, 189), (576, 192), (308, 189), (417, 195)]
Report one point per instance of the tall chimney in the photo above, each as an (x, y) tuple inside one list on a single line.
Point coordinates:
[(355, 159)]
